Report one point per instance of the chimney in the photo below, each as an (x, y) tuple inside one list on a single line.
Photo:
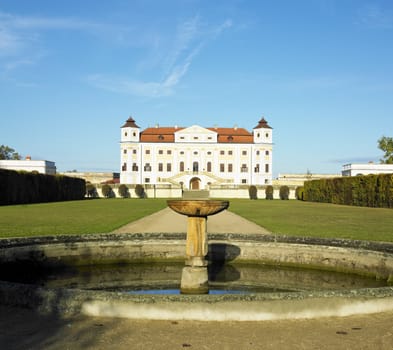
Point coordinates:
[(28, 158)]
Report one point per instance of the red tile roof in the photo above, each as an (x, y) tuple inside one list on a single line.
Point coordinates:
[(225, 135)]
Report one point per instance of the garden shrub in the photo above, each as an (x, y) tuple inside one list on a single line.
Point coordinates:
[(284, 192), (107, 191), (299, 193), (123, 191), (253, 192), (140, 191), (269, 192)]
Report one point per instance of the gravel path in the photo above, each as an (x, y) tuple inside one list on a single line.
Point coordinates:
[(167, 220)]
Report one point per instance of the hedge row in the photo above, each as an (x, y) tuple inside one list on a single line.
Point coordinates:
[(366, 191), (19, 187)]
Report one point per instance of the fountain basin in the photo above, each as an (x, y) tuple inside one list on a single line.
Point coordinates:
[(198, 207), (360, 257)]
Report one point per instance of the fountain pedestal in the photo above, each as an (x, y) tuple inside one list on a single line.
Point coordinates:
[(194, 275)]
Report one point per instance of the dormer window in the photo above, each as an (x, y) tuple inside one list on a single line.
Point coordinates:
[(160, 137)]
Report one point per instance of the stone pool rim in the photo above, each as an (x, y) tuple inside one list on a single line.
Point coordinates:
[(235, 307)]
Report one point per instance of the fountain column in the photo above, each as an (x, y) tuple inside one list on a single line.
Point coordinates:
[(194, 278)]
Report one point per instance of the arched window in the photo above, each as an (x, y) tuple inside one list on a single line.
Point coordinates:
[(195, 167)]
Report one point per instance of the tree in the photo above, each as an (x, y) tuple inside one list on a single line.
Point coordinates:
[(8, 153), (385, 144)]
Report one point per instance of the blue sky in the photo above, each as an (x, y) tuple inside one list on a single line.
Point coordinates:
[(320, 72)]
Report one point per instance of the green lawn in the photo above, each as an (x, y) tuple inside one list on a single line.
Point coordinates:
[(280, 217), (74, 217), (299, 218)]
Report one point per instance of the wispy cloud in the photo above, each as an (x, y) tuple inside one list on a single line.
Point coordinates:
[(374, 16), (355, 159), (190, 38), (22, 42)]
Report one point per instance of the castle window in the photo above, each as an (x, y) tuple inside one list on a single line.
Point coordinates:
[(168, 151), (266, 153), (125, 134), (209, 153), (124, 167), (244, 153), (230, 168), (267, 135), (256, 169), (222, 152), (257, 153), (147, 180), (195, 153), (222, 168), (209, 166), (134, 134), (168, 167), (244, 181), (244, 168), (134, 151), (266, 168), (160, 167), (230, 152), (160, 151), (134, 167), (181, 166), (147, 151), (147, 167), (125, 151)]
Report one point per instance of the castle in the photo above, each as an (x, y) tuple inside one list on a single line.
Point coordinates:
[(196, 158)]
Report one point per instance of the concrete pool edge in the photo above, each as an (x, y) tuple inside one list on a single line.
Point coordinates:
[(210, 308)]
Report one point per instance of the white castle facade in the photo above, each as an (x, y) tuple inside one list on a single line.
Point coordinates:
[(196, 158)]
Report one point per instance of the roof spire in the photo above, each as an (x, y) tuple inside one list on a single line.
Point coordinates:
[(262, 124), (130, 123)]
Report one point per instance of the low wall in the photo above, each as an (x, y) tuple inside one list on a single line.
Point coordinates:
[(171, 191)]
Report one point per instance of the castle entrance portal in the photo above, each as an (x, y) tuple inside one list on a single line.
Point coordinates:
[(195, 183)]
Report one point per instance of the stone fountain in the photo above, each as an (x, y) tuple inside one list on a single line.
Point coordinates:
[(194, 278)]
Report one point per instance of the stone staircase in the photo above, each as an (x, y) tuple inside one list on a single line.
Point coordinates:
[(195, 194)]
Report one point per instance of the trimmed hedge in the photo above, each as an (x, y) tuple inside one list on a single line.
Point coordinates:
[(269, 190), (20, 187), (299, 193), (367, 191), (284, 192), (253, 192)]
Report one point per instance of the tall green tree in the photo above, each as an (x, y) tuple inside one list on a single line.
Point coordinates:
[(385, 144), (8, 153)]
